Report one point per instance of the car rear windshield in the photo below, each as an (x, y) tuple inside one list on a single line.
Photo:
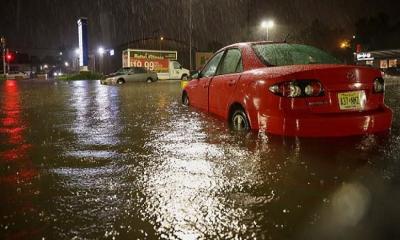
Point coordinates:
[(282, 54)]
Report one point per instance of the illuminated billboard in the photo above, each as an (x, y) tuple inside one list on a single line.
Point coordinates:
[(83, 43)]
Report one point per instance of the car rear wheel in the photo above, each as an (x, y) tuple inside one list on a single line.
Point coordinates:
[(239, 121), (185, 99), (149, 80), (185, 77), (120, 81)]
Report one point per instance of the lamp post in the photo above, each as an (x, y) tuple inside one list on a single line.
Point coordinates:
[(9, 57), (94, 62), (101, 52), (3, 46), (267, 25), (161, 39)]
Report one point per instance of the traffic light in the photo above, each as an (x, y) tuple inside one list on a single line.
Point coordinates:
[(9, 57)]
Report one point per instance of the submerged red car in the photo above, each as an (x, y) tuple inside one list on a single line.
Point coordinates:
[(289, 89)]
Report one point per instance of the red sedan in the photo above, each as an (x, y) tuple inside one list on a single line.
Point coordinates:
[(289, 89)]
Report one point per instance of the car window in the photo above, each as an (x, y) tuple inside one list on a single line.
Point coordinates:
[(176, 65), (231, 61), (283, 54), (239, 67), (123, 70), (140, 70), (212, 65)]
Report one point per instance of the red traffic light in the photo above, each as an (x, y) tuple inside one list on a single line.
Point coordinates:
[(9, 57)]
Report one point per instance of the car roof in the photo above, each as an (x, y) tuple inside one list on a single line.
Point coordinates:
[(241, 44)]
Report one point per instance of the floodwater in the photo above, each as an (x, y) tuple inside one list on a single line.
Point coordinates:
[(80, 160)]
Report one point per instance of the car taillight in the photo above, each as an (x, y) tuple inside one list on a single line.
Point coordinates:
[(379, 85), (298, 88)]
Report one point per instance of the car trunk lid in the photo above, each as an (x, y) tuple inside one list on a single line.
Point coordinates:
[(346, 88)]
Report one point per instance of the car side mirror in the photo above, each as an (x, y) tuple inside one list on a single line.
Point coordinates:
[(196, 75)]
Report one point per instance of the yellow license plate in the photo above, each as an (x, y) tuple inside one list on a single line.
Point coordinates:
[(352, 100)]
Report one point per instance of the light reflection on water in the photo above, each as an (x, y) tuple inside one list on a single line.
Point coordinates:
[(183, 190), (17, 172), (131, 162), (97, 113)]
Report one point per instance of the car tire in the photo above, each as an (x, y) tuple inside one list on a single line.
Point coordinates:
[(239, 121), (185, 99), (185, 77), (120, 81), (149, 80)]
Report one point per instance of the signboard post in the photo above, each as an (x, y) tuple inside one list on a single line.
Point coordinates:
[(83, 44)]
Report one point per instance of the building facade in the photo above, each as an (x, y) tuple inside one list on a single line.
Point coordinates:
[(383, 59)]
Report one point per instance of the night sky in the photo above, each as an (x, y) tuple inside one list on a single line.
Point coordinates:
[(43, 26)]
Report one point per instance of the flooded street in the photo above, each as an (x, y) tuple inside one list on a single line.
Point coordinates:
[(80, 160)]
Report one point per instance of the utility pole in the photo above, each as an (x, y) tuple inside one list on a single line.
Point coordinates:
[(190, 33), (3, 46), (94, 62), (248, 18), (8, 65)]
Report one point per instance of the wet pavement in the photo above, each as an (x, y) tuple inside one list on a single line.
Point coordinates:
[(80, 160)]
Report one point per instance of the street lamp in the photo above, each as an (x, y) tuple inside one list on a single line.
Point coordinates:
[(344, 44), (267, 25), (101, 52)]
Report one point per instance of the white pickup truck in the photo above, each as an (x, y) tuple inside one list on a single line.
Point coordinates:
[(175, 71)]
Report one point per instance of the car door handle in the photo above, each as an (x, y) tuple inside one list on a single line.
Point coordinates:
[(231, 83), (206, 85)]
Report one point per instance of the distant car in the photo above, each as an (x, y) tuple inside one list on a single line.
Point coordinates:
[(133, 74), (290, 90), (55, 72), (17, 75)]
